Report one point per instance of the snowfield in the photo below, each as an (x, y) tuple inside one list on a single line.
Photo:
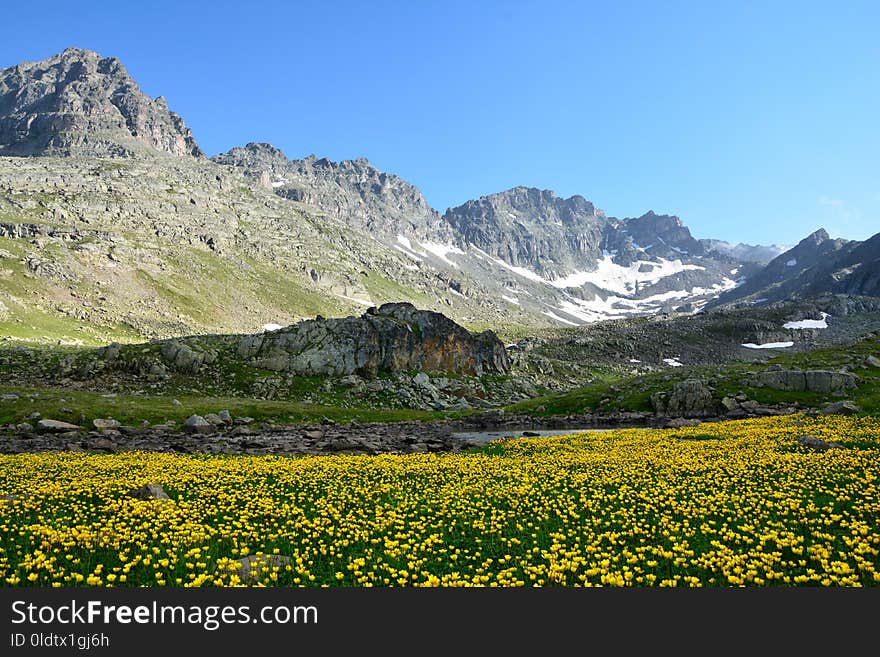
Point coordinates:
[(623, 280), (441, 251), (809, 323)]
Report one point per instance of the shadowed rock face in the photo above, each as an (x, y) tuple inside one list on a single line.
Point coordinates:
[(805, 380), (690, 398), (816, 266), (394, 337), (79, 103)]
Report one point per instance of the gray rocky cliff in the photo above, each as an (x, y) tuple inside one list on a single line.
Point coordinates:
[(353, 191), (533, 228), (79, 103)]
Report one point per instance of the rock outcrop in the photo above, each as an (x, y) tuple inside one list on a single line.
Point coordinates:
[(79, 103), (56, 426), (689, 398), (149, 492), (394, 337), (824, 381)]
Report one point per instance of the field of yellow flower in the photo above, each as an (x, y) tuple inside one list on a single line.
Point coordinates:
[(727, 504)]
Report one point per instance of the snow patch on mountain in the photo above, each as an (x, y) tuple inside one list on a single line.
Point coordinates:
[(441, 251), (617, 278), (553, 315), (809, 323), (768, 345)]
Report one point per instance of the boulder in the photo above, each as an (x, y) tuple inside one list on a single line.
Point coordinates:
[(729, 404), (56, 426), (689, 398), (422, 380), (840, 408), (197, 424), (872, 361), (182, 357), (679, 422), (395, 337), (102, 444), (149, 492), (817, 444), (105, 423), (353, 382)]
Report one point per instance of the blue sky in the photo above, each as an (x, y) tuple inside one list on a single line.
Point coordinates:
[(752, 121)]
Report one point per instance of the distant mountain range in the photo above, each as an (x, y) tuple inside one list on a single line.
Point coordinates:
[(562, 258), (816, 265), (121, 184)]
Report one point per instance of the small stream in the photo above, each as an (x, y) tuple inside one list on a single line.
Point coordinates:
[(486, 436)]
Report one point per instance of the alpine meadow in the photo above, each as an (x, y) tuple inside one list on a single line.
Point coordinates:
[(256, 367)]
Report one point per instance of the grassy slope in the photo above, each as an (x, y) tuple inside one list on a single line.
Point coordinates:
[(24, 321), (81, 407), (634, 393)]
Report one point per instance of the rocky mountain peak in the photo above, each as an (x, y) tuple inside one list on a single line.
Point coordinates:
[(816, 265), (663, 235), (533, 228), (80, 103), (816, 237), (544, 201), (260, 157)]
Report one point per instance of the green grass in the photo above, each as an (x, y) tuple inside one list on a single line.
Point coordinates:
[(26, 323), (633, 393), (33, 326), (292, 295), (207, 286), (383, 290), (81, 407), (514, 332)]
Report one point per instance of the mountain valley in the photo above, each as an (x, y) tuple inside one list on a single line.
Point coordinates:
[(133, 265)]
